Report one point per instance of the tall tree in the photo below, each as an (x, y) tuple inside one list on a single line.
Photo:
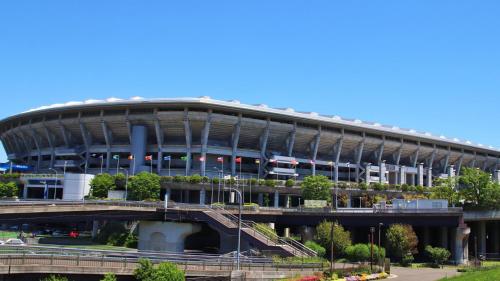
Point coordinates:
[(144, 186), (401, 240), (316, 188), (341, 237)]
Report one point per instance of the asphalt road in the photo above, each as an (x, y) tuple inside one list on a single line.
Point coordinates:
[(422, 274)]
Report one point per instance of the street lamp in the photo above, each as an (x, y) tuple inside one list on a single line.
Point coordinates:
[(372, 231), (349, 173), (126, 182), (55, 182), (238, 249), (380, 224)]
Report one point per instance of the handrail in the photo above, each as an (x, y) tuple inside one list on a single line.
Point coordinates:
[(270, 237)]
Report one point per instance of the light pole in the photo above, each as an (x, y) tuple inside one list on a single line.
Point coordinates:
[(380, 224), (349, 173), (372, 230), (238, 250), (126, 182), (55, 182)]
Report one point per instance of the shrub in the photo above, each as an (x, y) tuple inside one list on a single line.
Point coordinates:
[(401, 241), (357, 253), (9, 189), (180, 179), (320, 250), (205, 179), (405, 187), (270, 183), (378, 186), (262, 182), (166, 179), (341, 237), (407, 260), (438, 255), (55, 278), (253, 181), (144, 186), (101, 184), (195, 179), (342, 185), (120, 180), (109, 277), (316, 188), (363, 186), (397, 187)]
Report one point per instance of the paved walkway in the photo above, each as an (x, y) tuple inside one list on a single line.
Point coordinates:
[(422, 274)]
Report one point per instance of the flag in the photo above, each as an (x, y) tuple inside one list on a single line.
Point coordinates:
[(238, 160), (220, 159), (295, 162), (312, 162), (228, 177), (148, 158), (202, 159), (257, 161), (116, 156), (184, 158), (273, 160), (95, 155), (330, 163), (131, 157), (167, 158)]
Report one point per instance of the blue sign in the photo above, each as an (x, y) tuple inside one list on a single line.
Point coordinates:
[(15, 167)]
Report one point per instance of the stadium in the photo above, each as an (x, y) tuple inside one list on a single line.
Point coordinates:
[(185, 136)]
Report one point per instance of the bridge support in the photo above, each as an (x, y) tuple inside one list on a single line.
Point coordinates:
[(461, 245), (496, 237), (307, 233), (481, 237), (138, 148), (276, 199), (443, 231), (202, 196), (260, 199), (95, 229), (164, 236)]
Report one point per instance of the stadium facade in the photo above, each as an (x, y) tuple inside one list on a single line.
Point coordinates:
[(202, 136)]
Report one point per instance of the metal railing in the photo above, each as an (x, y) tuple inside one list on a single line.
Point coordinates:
[(297, 248), (27, 255)]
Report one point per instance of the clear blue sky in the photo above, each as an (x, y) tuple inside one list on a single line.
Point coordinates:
[(428, 65)]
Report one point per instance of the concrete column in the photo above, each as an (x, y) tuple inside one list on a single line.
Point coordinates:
[(95, 229), (443, 231), (186, 195), (429, 177), (25, 192), (202, 196), (164, 236), (260, 199), (276, 199), (138, 147), (496, 176), (461, 245), (402, 175), (368, 175), (349, 203), (496, 237), (232, 197), (420, 174), (426, 236), (481, 237), (307, 233), (287, 232), (287, 201), (272, 225), (382, 170)]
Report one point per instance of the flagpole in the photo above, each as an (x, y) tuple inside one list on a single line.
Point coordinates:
[(223, 179), (102, 162), (133, 163), (169, 160), (117, 165), (151, 164)]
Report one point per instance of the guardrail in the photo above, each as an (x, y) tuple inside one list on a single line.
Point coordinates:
[(27, 255)]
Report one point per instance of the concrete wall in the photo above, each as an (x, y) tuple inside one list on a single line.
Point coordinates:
[(76, 186), (164, 236)]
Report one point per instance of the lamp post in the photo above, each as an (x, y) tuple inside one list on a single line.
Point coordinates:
[(55, 182), (380, 224), (126, 182), (372, 231), (349, 173), (238, 249)]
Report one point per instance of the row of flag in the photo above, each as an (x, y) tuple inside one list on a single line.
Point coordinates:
[(220, 159)]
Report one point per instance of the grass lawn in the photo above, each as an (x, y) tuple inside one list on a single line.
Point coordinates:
[(4, 235), (480, 275)]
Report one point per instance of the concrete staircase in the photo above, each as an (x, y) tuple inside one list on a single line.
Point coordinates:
[(266, 242)]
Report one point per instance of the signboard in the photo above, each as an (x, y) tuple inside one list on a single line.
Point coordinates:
[(314, 204)]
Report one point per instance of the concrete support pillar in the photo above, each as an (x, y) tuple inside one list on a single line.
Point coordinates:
[(307, 233), (443, 231), (95, 229), (382, 175), (429, 177), (349, 202), (287, 201), (368, 176), (402, 175), (272, 225), (496, 237), (138, 148), (232, 196), (202, 196), (260, 199), (496, 176), (461, 245), (287, 232), (25, 192), (186, 195), (426, 236), (420, 174), (481, 237), (164, 236), (276, 199)]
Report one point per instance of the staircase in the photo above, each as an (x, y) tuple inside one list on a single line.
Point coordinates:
[(270, 242)]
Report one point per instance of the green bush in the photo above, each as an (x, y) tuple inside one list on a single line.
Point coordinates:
[(144, 186), (55, 278), (166, 179), (215, 180), (320, 250), (270, 183), (405, 187), (358, 253), (437, 255), (9, 189), (101, 184), (316, 188), (378, 186), (262, 182), (397, 187), (109, 277), (289, 183), (420, 189), (363, 186), (195, 179), (407, 260), (253, 181), (401, 241), (180, 179), (341, 237), (342, 185), (205, 179)]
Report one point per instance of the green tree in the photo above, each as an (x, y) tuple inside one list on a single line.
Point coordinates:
[(120, 179), (55, 278), (101, 184), (109, 277), (438, 255), (165, 271), (358, 252), (144, 186), (401, 240), (341, 238), (446, 189), (320, 250), (316, 188), (478, 190)]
